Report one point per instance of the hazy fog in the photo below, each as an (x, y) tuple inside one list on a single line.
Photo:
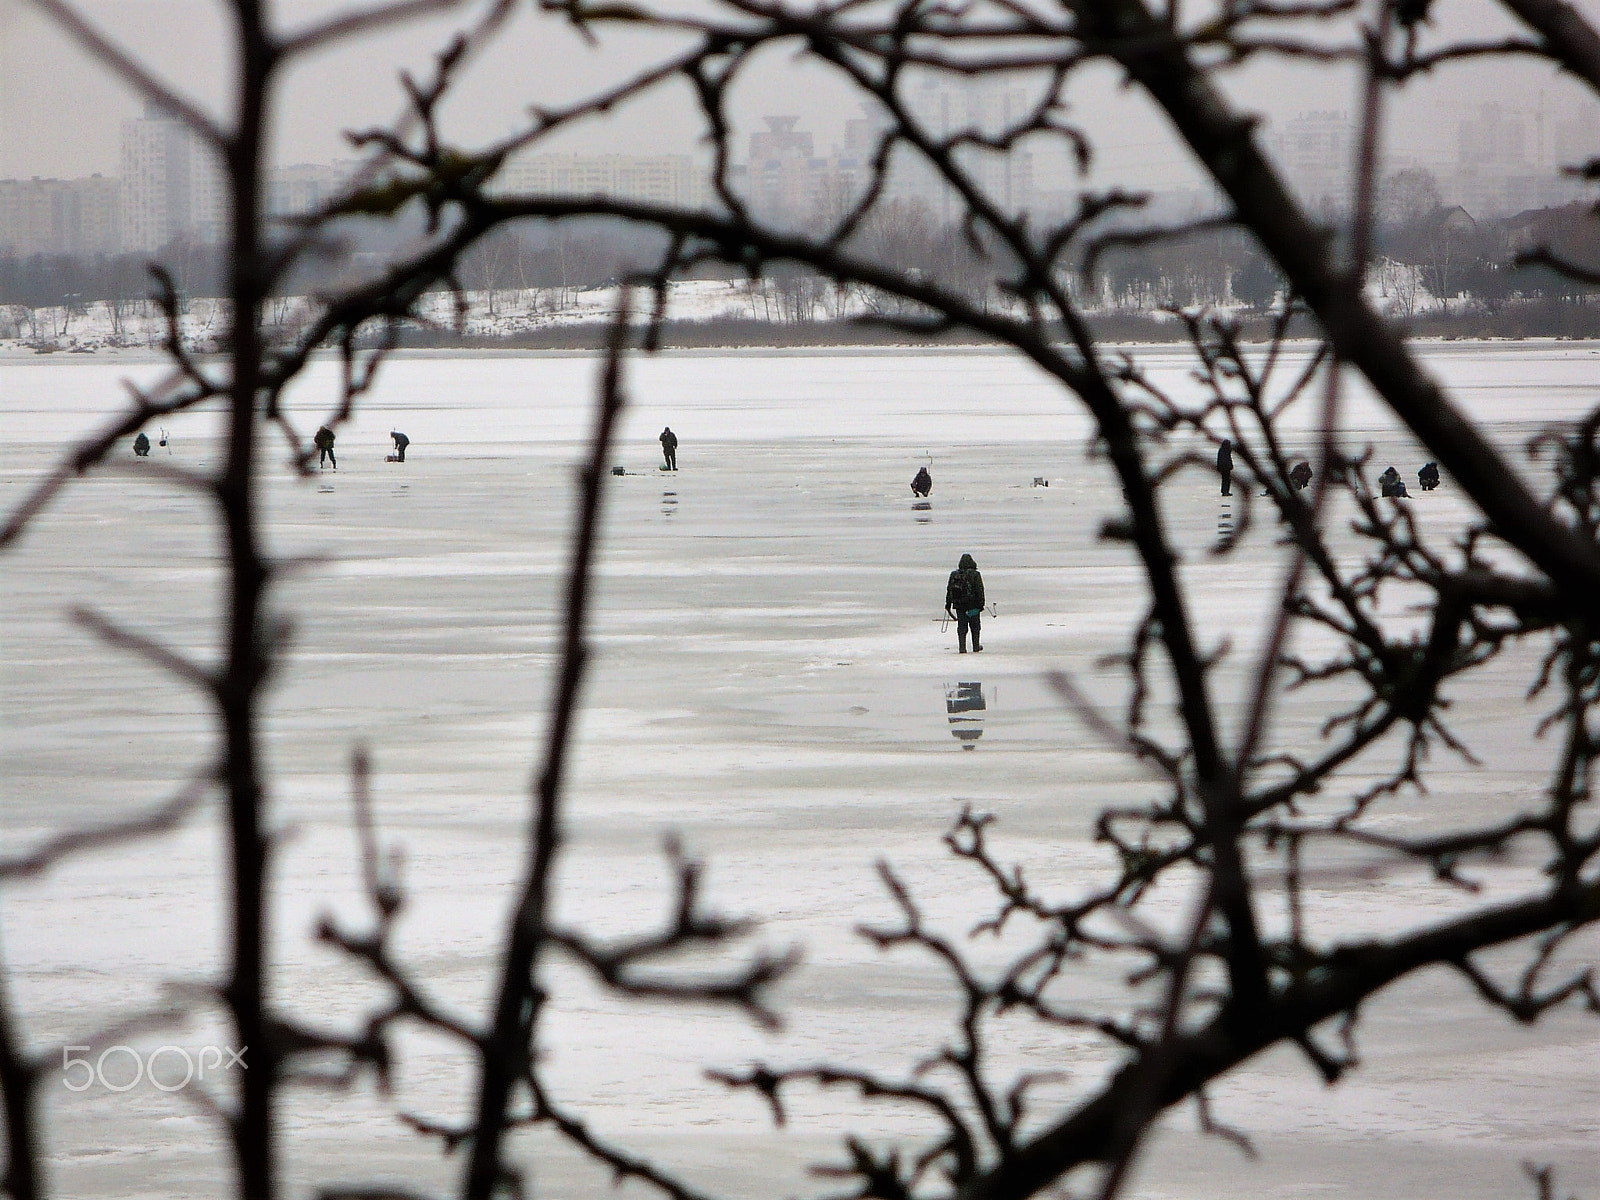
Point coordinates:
[(60, 113)]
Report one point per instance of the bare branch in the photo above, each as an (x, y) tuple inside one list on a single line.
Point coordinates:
[(162, 819), (321, 34), (507, 1050), (146, 648), (1568, 37), (1226, 144), (165, 400)]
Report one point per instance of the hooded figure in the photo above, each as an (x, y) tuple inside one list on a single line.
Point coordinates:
[(401, 441), (324, 443), (669, 448), (141, 445), (921, 482), (963, 600), (1225, 465), (1390, 483), (1428, 477), (1300, 475)]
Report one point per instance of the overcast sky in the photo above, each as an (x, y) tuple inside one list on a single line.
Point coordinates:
[(60, 114)]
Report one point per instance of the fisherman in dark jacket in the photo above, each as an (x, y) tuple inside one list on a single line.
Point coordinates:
[(401, 441), (1300, 475), (1225, 465), (324, 443), (141, 445), (669, 448), (1390, 484), (963, 600), (921, 482), (1428, 477)]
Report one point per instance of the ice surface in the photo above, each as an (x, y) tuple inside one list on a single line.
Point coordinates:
[(771, 681)]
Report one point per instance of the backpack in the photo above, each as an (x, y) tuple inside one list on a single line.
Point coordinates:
[(963, 596)]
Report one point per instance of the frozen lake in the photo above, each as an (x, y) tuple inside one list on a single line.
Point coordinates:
[(771, 682)]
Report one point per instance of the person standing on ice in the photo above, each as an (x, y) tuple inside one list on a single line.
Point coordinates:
[(963, 600), (922, 482), (324, 443), (669, 448), (1225, 465), (401, 441)]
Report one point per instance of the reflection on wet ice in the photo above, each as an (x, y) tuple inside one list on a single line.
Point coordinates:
[(965, 705), (669, 503), (922, 508)]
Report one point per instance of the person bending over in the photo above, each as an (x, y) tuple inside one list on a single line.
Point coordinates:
[(324, 443), (401, 441), (1390, 484)]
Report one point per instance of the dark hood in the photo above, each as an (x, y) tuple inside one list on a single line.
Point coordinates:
[(966, 563)]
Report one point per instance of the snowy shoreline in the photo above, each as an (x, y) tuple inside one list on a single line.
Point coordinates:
[(18, 351), (714, 314)]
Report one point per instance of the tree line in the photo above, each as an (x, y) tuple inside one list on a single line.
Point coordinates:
[(1426, 251)]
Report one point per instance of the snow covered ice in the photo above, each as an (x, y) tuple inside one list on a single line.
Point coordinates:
[(771, 682)]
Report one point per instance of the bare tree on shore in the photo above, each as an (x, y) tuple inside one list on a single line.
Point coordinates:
[(1243, 821)]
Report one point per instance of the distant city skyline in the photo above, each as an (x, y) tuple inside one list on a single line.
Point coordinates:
[(1544, 138), (1493, 161), (1493, 136), (60, 114)]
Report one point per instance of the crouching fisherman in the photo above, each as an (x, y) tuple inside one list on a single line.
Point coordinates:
[(141, 445)]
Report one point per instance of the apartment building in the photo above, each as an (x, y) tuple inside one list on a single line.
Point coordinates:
[(306, 187), (667, 179), (1508, 159), (1316, 151), (60, 216), (172, 185), (155, 181)]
